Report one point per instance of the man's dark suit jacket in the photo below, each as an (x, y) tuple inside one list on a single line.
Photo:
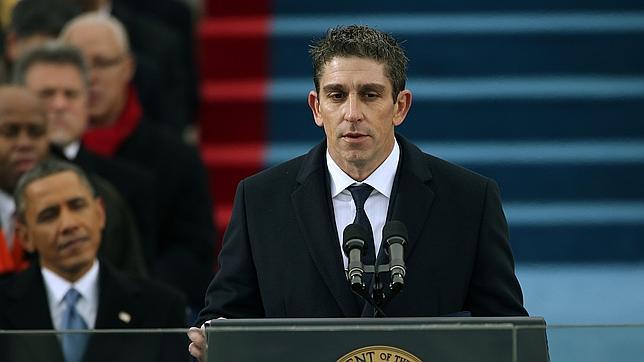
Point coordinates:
[(24, 305), (281, 256), (184, 255)]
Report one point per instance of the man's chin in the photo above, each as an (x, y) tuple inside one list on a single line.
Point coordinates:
[(21, 167), (61, 139)]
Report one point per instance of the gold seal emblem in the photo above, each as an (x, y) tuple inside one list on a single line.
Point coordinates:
[(379, 354)]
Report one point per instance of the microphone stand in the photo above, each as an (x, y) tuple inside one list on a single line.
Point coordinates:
[(378, 298)]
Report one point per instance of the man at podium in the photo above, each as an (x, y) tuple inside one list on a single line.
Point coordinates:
[(283, 256)]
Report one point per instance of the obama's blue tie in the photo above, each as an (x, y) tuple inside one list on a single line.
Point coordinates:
[(74, 344)]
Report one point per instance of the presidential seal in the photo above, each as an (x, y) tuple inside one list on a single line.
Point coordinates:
[(379, 354)]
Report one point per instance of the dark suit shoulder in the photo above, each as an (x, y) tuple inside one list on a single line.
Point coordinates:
[(295, 170), (452, 170), (440, 170), (23, 301), (143, 287), (15, 285), (285, 170)]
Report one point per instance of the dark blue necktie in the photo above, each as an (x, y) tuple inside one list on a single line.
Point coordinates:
[(360, 194), (74, 344)]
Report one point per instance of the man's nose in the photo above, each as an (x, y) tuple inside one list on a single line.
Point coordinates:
[(353, 111), (58, 101), (24, 139), (93, 76), (68, 221)]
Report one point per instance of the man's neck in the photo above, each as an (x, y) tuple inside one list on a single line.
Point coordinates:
[(101, 122), (360, 170), (357, 171), (110, 118)]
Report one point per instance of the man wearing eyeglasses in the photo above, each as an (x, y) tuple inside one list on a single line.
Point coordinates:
[(120, 129), (23, 143)]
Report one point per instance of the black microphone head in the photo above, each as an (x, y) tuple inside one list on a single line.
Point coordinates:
[(352, 235), (394, 228)]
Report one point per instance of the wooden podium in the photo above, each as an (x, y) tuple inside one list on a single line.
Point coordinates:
[(457, 339)]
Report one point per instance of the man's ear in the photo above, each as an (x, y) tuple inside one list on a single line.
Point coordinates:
[(401, 108), (130, 64), (11, 46), (23, 235), (100, 209), (314, 104)]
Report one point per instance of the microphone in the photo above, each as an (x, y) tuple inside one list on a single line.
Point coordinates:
[(395, 235), (354, 237)]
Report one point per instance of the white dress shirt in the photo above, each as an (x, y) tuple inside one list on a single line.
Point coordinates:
[(376, 206), (7, 210), (57, 287)]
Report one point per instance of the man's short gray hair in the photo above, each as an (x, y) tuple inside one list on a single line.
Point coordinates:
[(52, 52), (99, 18)]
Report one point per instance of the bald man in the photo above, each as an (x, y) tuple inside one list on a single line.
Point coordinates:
[(121, 130), (166, 64)]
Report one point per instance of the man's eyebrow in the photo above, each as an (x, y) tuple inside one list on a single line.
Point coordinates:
[(333, 87), (373, 87), (49, 209)]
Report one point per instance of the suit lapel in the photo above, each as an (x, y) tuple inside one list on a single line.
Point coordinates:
[(412, 196), (30, 310), (116, 310), (115, 307), (311, 202), (411, 202)]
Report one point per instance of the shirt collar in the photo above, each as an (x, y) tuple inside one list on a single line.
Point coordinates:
[(57, 286), (382, 179), (7, 209), (71, 150)]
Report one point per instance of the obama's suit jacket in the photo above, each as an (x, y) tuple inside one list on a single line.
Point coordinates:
[(124, 303)]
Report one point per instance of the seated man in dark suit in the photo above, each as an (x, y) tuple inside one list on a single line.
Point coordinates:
[(60, 219), (282, 252)]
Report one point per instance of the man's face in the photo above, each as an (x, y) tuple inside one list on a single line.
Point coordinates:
[(64, 95), (62, 223), (355, 108), (23, 135), (111, 69)]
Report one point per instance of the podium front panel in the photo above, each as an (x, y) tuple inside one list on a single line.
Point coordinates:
[(374, 340)]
